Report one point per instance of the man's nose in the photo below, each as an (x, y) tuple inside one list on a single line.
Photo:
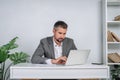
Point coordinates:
[(62, 36)]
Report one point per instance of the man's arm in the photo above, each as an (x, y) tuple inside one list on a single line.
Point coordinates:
[(60, 60), (38, 55)]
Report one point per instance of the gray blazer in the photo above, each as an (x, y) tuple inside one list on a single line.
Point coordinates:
[(45, 50)]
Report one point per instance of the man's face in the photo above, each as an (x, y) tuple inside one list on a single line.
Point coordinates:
[(59, 34)]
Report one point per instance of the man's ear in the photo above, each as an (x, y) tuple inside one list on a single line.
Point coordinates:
[(54, 30)]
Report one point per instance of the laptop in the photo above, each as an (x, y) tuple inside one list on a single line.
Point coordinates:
[(77, 57)]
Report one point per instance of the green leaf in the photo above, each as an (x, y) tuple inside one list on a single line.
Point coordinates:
[(10, 45), (3, 55), (4, 50), (18, 57)]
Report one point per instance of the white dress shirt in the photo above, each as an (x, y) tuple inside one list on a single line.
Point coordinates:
[(57, 51)]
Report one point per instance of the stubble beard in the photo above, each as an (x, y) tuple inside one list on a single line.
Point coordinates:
[(60, 40)]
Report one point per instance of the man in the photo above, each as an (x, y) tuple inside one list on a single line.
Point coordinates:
[(55, 49)]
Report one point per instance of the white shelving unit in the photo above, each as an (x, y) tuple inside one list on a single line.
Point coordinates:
[(111, 9)]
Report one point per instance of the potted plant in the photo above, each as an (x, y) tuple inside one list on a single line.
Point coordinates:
[(15, 58), (115, 72)]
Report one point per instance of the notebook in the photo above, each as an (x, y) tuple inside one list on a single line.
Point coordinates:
[(77, 57)]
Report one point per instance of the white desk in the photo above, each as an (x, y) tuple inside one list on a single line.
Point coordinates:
[(43, 71)]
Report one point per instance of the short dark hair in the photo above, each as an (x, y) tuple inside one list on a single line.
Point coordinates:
[(60, 24)]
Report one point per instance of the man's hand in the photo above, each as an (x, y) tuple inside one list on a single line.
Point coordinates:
[(60, 60)]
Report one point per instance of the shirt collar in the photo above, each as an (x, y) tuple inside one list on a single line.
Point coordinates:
[(55, 45)]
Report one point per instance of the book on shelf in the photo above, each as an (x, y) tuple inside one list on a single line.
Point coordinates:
[(117, 18), (109, 37), (114, 57), (115, 37), (112, 37)]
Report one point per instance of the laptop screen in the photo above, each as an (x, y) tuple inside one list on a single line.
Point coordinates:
[(77, 57)]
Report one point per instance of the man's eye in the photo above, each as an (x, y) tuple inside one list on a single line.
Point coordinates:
[(64, 33), (60, 33)]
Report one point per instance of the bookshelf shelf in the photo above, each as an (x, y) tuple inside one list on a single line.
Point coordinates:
[(113, 22), (113, 64), (113, 42), (113, 3)]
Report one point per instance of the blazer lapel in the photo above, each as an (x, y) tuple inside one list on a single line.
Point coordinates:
[(51, 47)]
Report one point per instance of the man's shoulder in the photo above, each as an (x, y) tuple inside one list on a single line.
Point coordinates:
[(68, 39), (46, 39)]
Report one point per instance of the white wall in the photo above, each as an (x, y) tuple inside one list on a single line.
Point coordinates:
[(32, 20)]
